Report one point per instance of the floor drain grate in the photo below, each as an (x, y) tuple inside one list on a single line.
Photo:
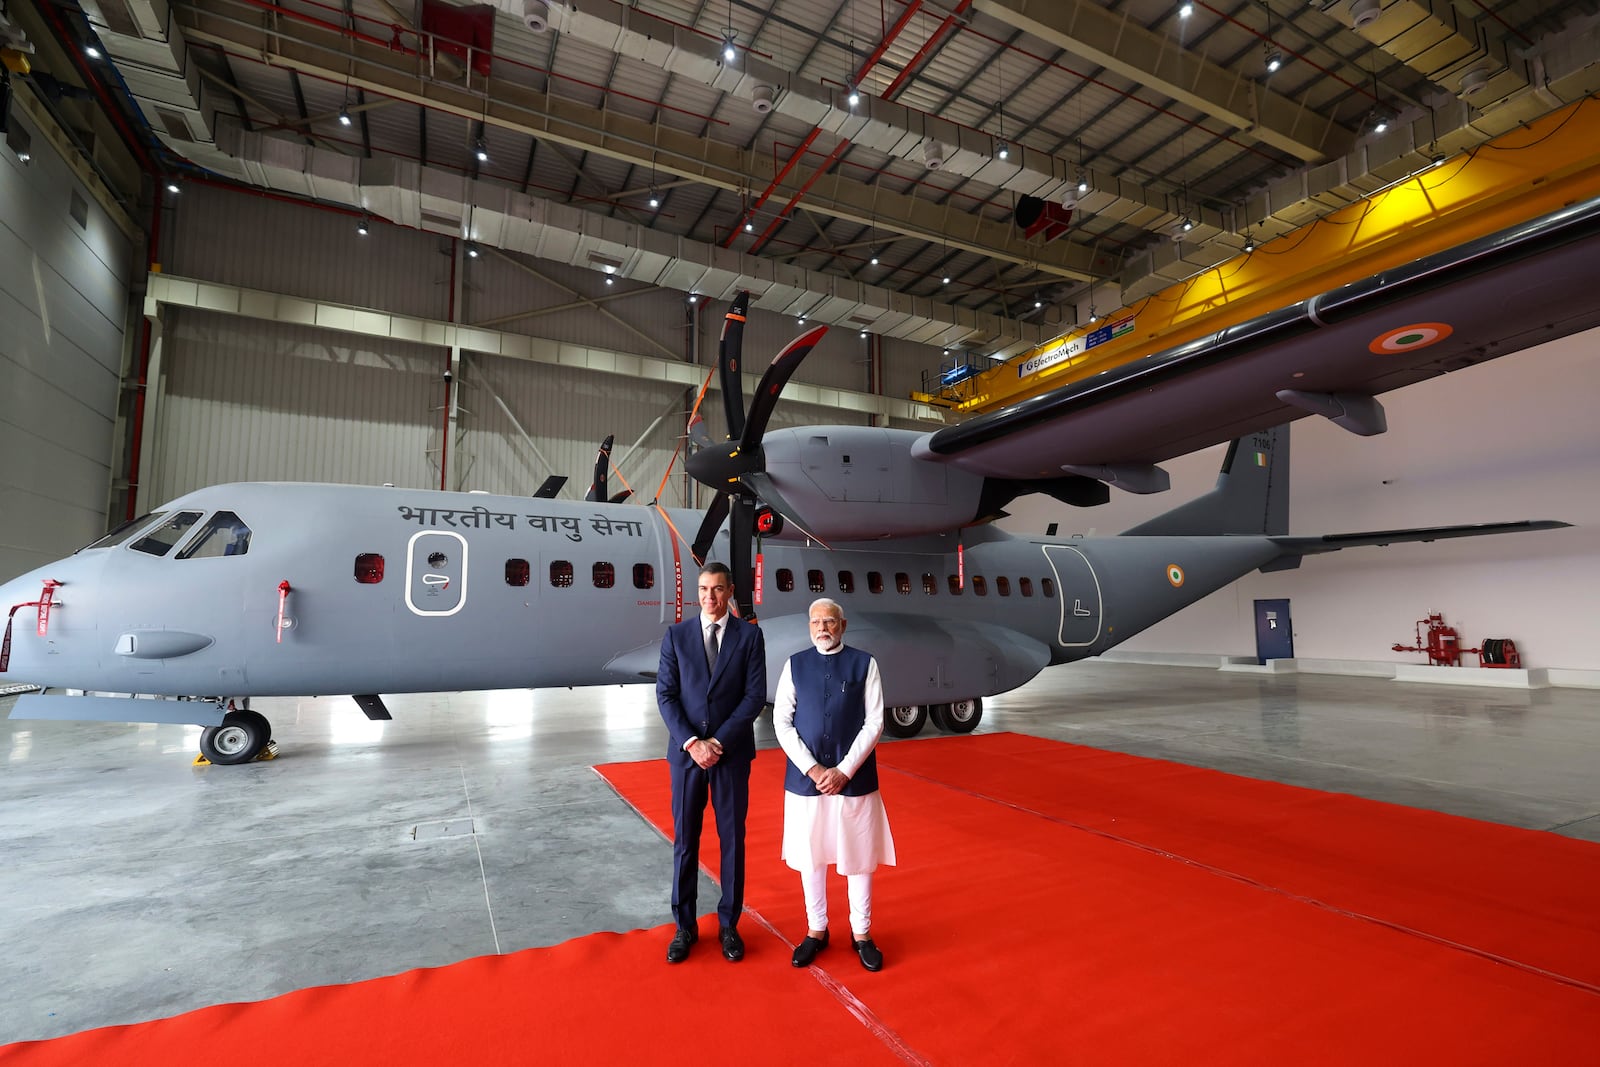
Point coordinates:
[(427, 831)]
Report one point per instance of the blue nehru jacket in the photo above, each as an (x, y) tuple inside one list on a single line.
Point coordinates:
[(830, 710)]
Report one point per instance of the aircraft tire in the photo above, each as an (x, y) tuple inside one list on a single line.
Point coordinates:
[(905, 721), (240, 738), (963, 716)]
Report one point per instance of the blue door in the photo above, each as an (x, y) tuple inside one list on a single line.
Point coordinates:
[(1274, 634)]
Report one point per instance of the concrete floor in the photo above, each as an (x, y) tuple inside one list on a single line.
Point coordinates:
[(135, 886)]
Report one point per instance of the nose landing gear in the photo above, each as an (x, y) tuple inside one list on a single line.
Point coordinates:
[(244, 735)]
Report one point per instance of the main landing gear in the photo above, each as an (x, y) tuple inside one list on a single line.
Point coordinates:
[(960, 717), (243, 736)]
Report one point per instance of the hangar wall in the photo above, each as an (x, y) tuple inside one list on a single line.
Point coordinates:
[(65, 270), (251, 399), (1516, 438)]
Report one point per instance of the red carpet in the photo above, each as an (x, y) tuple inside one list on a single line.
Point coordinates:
[(1054, 904)]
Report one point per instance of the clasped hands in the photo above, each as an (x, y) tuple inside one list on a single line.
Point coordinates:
[(830, 781), (705, 753)]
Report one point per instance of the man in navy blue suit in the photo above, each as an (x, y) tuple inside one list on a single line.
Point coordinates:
[(711, 685)]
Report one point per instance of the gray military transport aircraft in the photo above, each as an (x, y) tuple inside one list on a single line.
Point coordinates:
[(285, 589)]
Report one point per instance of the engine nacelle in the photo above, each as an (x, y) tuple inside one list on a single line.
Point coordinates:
[(860, 483)]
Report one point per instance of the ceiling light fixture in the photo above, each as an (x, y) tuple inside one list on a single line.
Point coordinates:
[(1038, 303), (1249, 242), (91, 51), (1004, 150), (1380, 122), (1188, 224), (655, 198), (729, 53), (344, 115), (874, 259), (1094, 316), (481, 148), (1274, 60), (1083, 181), (749, 227), (361, 227), (1185, 10), (610, 280), (172, 186), (472, 250), (693, 297), (854, 98), (945, 280)]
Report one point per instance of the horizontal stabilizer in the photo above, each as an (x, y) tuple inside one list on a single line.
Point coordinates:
[(1309, 546)]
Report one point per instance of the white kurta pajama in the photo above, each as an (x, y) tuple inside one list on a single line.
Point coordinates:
[(851, 833)]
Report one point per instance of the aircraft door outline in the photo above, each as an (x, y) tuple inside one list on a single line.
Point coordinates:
[(1075, 579), (436, 573)]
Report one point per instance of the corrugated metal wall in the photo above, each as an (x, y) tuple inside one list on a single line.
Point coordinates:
[(248, 399), (64, 306), (252, 240), (245, 400)]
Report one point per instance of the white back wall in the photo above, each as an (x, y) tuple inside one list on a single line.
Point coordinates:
[(1517, 438)]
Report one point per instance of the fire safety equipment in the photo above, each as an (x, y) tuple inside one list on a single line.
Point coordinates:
[(1443, 646)]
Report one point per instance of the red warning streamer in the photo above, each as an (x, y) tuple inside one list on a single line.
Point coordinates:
[(47, 599), (283, 598)]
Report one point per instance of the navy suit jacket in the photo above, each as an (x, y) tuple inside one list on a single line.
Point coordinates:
[(724, 706)]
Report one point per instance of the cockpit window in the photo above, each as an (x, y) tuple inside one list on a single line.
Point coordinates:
[(159, 542), (125, 531), (224, 535)]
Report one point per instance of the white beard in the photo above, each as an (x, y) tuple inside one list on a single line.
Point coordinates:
[(827, 642)]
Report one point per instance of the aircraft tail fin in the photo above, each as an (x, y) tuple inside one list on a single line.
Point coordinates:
[(1251, 496)]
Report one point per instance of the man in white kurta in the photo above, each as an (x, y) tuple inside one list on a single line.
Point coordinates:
[(828, 714)]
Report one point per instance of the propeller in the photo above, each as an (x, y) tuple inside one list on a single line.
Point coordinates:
[(736, 468), (602, 467)]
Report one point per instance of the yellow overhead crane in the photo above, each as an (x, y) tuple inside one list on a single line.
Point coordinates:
[(1531, 171)]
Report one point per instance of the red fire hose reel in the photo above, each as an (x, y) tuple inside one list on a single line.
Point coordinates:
[(1443, 646)]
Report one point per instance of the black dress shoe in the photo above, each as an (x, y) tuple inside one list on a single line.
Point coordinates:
[(871, 958), (682, 941), (807, 950), (732, 944)]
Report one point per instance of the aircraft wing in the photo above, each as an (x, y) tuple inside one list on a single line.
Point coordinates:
[(1484, 299)]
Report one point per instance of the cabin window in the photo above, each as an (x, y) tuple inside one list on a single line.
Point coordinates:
[(902, 583), (874, 582), (159, 542), (125, 531), (955, 585), (847, 581), (814, 581), (980, 585), (644, 576), (1048, 586), (517, 572), (224, 535), (369, 568), (561, 573), (1002, 585), (605, 576), (930, 584), (1025, 586), (785, 580), (438, 560)]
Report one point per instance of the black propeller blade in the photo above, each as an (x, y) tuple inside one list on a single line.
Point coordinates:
[(729, 375), (602, 467), (736, 468)]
